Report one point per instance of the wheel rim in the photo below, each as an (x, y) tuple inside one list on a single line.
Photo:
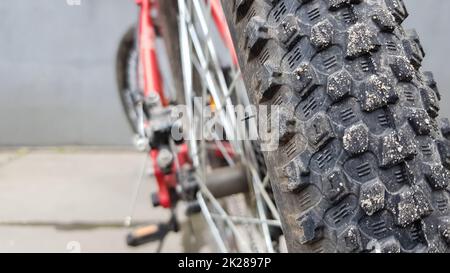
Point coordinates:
[(234, 228)]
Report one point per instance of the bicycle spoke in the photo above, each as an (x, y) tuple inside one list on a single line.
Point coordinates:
[(187, 77), (200, 12), (214, 230), (199, 56), (215, 203), (248, 220), (263, 216), (265, 195)]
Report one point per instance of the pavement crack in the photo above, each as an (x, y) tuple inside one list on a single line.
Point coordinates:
[(74, 225)]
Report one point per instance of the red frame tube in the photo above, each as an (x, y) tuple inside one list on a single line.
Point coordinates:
[(147, 51), (222, 26), (147, 39)]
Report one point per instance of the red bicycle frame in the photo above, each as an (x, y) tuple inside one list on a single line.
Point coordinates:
[(152, 81), (147, 51), (222, 26), (147, 39)]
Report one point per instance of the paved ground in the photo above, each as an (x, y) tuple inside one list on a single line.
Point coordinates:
[(60, 200)]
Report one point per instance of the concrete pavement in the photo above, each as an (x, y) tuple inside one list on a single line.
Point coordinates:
[(68, 199)]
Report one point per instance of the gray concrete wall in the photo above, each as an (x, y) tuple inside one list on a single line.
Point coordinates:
[(431, 19), (57, 68), (57, 81)]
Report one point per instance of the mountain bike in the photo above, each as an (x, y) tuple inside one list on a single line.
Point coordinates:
[(322, 131)]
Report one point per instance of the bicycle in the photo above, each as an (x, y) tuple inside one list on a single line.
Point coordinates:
[(352, 156)]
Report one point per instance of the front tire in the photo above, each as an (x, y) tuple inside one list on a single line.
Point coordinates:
[(367, 166)]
